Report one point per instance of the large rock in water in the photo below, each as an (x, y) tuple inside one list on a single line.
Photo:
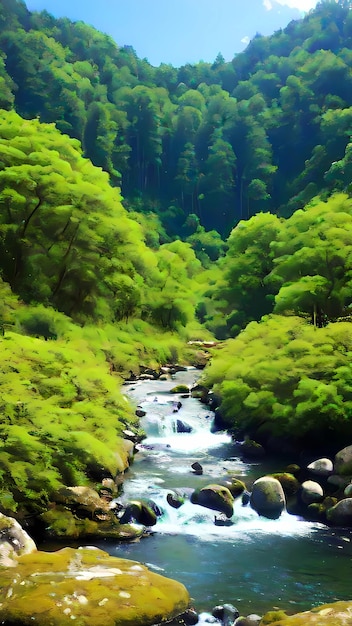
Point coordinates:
[(88, 587), (214, 497), (267, 497), (335, 614)]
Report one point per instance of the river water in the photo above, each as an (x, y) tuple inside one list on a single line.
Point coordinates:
[(256, 564)]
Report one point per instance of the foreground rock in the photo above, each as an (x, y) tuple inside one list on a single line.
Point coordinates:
[(335, 614), (89, 587)]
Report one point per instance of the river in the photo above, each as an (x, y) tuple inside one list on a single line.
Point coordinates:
[(256, 564)]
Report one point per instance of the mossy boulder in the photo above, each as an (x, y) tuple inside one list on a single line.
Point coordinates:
[(175, 500), (341, 513), (214, 497), (140, 512), (200, 392), (293, 468), (89, 587), (234, 485), (289, 483), (83, 501), (61, 522), (317, 511), (180, 389), (267, 497), (334, 614)]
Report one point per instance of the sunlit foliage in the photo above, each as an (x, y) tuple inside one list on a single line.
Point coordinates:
[(285, 377)]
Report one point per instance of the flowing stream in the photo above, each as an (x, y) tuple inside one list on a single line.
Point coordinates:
[(255, 563)]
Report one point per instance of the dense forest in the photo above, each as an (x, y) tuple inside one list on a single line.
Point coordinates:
[(144, 207)]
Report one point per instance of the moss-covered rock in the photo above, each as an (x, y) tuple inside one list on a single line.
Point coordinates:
[(335, 614), (289, 483), (84, 501), (214, 497), (180, 389), (317, 511), (341, 513), (234, 485), (175, 500), (140, 512), (61, 522), (293, 468), (89, 587)]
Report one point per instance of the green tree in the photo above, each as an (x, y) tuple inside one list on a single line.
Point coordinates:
[(312, 260), (65, 237), (243, 293), (281, 377)]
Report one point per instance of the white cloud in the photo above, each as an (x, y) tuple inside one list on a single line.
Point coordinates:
[(267, 5), (302, 5), (245, 39)]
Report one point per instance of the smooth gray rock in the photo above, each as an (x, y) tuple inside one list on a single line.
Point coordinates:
[(311, 492), (321, 467)]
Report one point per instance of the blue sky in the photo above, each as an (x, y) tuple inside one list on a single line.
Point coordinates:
[(182, 31)]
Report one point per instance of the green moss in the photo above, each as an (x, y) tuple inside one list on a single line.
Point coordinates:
[(90, 585), (235, 486), (61, 522), (272, 617), (293, 468), (289, 483), (180, 389)]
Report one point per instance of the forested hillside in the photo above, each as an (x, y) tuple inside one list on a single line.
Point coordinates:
[(221, 141), (144, 207)]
